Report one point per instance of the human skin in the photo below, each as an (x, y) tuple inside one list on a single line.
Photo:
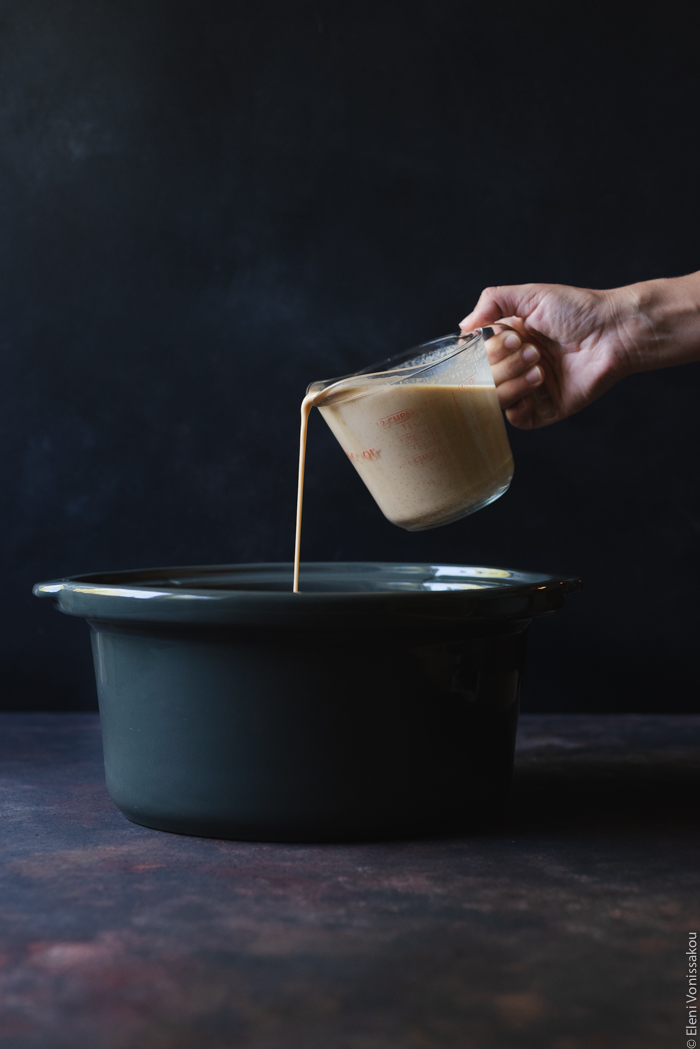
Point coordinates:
[(575, 343)]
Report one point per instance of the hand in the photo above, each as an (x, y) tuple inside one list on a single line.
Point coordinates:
[(574, 344)]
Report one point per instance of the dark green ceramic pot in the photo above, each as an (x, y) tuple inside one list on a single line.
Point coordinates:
[(380, 702)]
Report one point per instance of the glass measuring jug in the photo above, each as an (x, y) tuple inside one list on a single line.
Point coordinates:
[(423, 430)]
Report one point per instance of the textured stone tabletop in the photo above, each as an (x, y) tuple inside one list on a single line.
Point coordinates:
[(565, 929)]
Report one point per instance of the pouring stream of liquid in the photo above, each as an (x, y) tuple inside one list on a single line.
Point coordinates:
[(306, 406)]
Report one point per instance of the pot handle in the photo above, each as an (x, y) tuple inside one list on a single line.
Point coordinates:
[(49, 591)]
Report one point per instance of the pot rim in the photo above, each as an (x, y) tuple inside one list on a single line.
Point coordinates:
[(423, 590)]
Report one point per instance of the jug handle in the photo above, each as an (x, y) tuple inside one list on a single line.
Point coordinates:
[(544, 406)]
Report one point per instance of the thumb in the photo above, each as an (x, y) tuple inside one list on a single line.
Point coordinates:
[(506, 300)]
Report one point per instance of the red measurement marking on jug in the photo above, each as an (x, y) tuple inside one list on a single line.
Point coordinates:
[(469, 382), (364, 457), (419, 460), (398, 417), (482, 420), (414, 440)]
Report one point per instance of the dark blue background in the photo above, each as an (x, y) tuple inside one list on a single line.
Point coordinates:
[(205, 205)]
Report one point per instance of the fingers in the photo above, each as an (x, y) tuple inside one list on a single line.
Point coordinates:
[(522, 414), (515, 368), (507, 300)]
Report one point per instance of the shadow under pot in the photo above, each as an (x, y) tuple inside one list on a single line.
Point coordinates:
[(380, 702)]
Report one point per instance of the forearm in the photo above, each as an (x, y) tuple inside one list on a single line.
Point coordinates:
[(658, 323)]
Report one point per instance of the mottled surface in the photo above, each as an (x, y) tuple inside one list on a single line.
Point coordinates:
[(564, 930)]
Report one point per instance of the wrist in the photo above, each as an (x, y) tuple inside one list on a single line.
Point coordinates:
[(657, 323)]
